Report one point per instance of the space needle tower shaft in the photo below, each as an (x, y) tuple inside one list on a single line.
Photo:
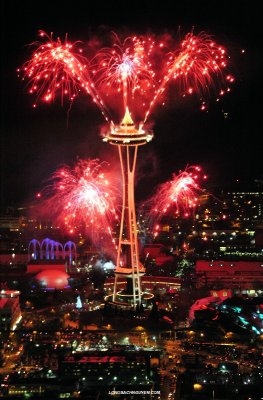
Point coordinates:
[(127, 138)]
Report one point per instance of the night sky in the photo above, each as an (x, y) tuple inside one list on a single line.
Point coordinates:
[(35, 142)]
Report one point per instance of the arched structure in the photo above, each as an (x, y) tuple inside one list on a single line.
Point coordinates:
[(49, 249), (45, 249), (70, 251), (36, 249), (56, 247)]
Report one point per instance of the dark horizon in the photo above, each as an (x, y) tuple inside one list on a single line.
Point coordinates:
[(224, 140)]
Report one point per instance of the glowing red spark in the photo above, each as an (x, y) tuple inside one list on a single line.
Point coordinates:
[(178, 196), (83, 195)]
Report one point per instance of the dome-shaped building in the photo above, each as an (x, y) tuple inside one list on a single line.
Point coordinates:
[(52, 279)]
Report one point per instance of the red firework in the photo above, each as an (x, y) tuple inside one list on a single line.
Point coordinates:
[(177, 197), (126, 68), (196, 66), (58, 68), (137, 69), (83, 197)]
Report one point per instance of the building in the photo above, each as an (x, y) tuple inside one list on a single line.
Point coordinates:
[(93, 374), (10, 223), (246, 276), (246, 206), (10, 313), (52, 279), (119, 367)]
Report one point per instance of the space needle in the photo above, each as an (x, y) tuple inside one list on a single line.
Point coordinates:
[(128, 138)]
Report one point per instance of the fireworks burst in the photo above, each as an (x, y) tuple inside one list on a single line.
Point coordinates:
[(58, 68), (137, 70), (177, 197), (197, 66), (126, 68), (83, 196)]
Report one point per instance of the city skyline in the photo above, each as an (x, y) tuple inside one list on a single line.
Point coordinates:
[(98, 300), (222, 140)]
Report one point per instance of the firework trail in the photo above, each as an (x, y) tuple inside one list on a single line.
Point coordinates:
[(137, 70), (83, 196), (57, 68), (126, 68), (197, 66), (177, 197)]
